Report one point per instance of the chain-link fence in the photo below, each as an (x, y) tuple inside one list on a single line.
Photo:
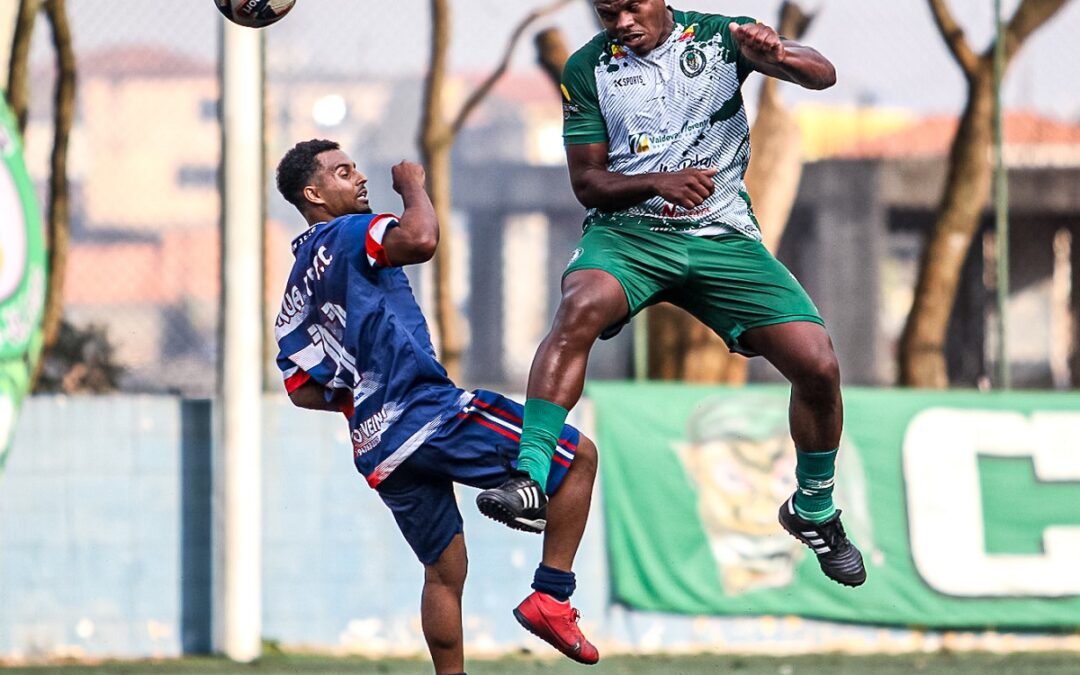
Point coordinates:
[(144, 257)]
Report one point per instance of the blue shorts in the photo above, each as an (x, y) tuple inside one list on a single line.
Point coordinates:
[(479, 448)]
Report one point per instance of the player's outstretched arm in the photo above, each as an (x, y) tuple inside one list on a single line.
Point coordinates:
[(417, 234), (783, 59), (597, 187)]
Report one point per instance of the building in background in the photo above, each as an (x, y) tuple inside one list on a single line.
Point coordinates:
[(144, 258)]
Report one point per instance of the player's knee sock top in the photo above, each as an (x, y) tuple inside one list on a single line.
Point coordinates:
[(814, 473)]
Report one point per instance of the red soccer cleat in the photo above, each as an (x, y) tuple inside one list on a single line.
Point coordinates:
[(555, 623)]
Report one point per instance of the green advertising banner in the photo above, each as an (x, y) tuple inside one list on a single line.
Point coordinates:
[(966, 505), (22, 278)]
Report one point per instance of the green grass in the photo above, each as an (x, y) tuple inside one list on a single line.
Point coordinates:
[(830, 664)]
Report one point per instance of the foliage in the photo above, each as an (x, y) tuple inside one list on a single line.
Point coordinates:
[(83, 360)]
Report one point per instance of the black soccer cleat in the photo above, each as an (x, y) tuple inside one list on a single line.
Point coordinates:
[(838, 557), (518, 503)]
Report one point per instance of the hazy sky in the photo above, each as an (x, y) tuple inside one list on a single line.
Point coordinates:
[(886, 51)]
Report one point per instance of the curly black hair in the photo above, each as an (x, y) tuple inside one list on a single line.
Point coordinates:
[(296, 168)]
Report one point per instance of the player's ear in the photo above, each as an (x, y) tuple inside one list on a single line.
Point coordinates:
[(311, 193)]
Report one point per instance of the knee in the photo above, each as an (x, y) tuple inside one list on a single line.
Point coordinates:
[(582, 315), (448, 573), (585, 457), (820, 376)]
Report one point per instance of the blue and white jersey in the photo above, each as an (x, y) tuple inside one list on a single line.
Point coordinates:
[(349, 321)]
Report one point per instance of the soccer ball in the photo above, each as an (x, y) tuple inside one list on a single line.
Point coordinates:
[(254, 13)]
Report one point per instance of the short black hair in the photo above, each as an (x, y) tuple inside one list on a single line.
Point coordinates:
[(296, 168)]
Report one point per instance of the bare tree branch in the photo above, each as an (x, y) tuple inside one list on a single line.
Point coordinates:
[(954, 37), (18, 88), (485, 87), (1028, 17)]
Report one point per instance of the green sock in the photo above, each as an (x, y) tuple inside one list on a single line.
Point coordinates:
[(540, 431), (814, 474)]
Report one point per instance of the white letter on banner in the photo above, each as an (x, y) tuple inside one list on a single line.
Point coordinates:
[(944, 500)]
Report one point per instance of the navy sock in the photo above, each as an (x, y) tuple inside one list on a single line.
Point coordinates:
[(556, 583)]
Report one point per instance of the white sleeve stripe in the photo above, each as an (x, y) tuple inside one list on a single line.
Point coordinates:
[(379, 226)]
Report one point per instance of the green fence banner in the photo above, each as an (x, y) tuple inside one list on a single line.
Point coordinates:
[(22, 278), (966, 505)]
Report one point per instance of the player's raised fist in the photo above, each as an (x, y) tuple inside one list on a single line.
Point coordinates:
[(407, 175), (758, 42)]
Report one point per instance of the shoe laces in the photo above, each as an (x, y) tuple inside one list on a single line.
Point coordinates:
[(834, 535), (572, 618)]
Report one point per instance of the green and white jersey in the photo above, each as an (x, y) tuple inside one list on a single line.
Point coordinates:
[(678, 106)]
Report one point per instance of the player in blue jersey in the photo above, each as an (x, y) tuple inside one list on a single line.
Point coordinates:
[(352, 339)]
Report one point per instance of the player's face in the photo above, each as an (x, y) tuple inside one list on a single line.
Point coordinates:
[(639, 25), (340, 186)]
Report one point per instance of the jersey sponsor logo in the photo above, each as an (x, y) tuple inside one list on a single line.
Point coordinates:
[(640, 144), (569, 109), (368, 432), (695, 162), (672, 211), (628, 80), (692, 61)]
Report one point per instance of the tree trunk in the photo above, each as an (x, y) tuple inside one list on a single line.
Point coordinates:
[(436, 158), (552, 54), (436, 140), (680, 346), (59, 220), (967, 189), (18, 88)]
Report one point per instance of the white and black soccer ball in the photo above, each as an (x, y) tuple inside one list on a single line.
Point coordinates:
[(254, 13)]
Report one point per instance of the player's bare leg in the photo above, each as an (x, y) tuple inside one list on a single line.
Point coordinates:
[(591, 301), (547, 613), (568, 509), (440, 607), (803, 353)]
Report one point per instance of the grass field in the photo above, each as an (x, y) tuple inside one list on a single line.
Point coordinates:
[(943, 663)]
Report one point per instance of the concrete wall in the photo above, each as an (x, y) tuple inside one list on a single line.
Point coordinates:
[(105, 550), (105, 539)]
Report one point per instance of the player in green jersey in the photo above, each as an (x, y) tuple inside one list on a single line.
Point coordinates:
[(657, 142)]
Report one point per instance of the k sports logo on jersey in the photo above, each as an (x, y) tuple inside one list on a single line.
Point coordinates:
[(629, 80)]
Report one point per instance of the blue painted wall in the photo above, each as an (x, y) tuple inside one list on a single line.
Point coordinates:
[(105, 538)]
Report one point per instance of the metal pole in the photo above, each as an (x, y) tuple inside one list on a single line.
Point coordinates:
[(1001, 203), (641, 346), (237, 483)]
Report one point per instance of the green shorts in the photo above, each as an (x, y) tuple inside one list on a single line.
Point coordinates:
[(731, 283)]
